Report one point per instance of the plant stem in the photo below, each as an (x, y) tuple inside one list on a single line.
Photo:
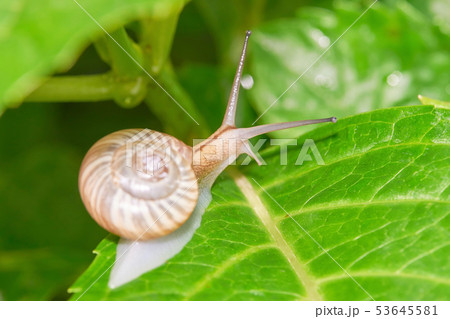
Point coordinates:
[(124, 54), (79, 88), (91, 88), (157, 37)]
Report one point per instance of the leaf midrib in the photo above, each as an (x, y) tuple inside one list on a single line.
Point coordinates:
[(310, 285), (377, 274)]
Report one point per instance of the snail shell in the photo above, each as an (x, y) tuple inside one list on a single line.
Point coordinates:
[(139, 184)]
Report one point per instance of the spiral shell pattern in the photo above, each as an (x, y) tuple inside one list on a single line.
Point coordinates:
[(139, 184)]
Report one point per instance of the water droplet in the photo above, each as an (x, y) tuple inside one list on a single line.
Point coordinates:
[(322, 80), (324, 41), (247, 81), (394, 78)]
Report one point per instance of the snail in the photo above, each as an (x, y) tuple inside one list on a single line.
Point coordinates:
[(154, 198)]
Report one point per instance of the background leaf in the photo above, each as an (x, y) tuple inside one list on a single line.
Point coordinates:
[(379, 206), (39, 38), (387, 58)]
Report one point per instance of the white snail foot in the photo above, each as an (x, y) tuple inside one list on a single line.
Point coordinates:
[(134, 258)]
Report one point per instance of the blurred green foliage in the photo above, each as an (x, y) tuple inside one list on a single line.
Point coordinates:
[(385, 59), (46, 236)]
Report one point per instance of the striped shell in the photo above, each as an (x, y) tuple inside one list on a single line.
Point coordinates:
[(139, 184)]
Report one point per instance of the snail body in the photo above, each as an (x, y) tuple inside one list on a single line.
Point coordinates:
[(151, 189)]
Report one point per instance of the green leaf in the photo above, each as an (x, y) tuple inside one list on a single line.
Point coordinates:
[(378, 206), (38, 38), (389, 56), (426, 100)]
